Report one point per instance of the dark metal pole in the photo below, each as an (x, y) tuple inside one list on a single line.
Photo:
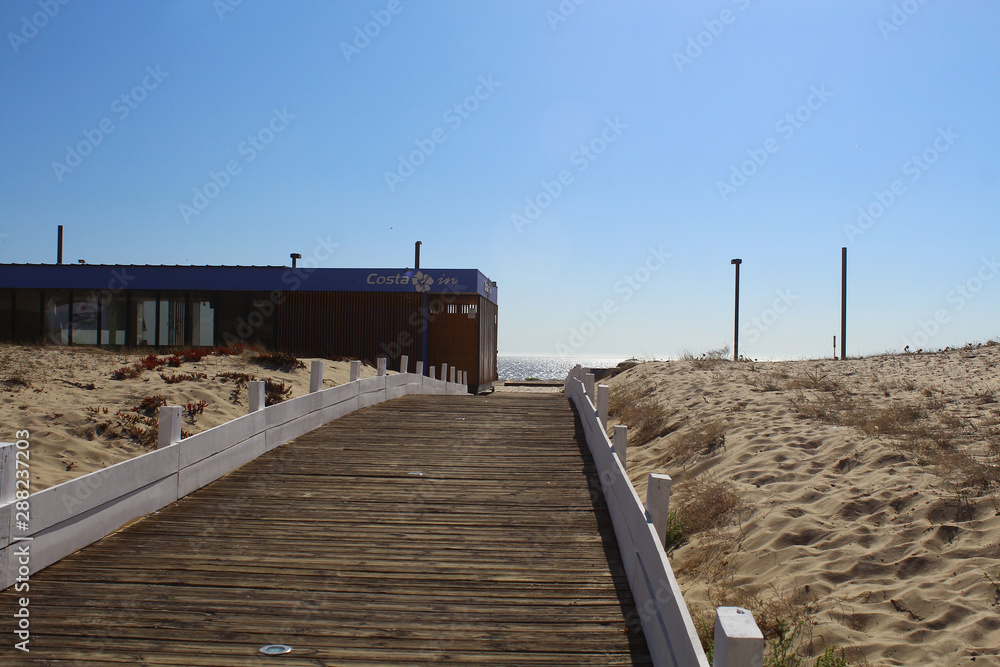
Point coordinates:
[(295, 256), (843, 303), (736, 319), (416, 252), (59, 246)]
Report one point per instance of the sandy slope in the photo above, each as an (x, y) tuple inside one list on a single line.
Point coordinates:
[(886, 544), (64, 383)]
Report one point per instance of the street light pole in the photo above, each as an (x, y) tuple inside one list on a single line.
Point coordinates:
[(736, 319)]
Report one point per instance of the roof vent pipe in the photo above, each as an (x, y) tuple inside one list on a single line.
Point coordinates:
[(416, 252), (295, 256), (59, 246)]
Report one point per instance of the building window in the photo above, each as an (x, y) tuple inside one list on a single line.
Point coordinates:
[(114, 318), (27, 315), (6, 313), (172, 319), (202, 319), (85, 313), (144, 309), (57, 316)]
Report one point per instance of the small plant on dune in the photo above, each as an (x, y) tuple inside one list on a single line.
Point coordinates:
[(678, 529), (182, 377), (635, 406), (230, 350), (239, 381), (709, 359), (780, 651), (195, 409), (278, 360), (832, 657), (127, 372), (174, 361), (707, 502), (149, 405), (275, 391)]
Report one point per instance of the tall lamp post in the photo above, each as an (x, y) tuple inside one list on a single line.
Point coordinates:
[(736, 319)]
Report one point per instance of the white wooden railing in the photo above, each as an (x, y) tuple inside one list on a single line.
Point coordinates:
[(666, 622), (54, 523)]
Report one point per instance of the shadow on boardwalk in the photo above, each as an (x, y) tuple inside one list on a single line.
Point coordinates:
[(426, 529)]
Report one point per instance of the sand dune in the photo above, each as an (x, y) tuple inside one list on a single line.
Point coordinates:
[(860, 496), (879, 542), (66, 398)]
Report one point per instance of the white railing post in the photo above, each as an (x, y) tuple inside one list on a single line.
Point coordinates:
[(355, 370), (419, 370), (315, 375), (453, 371), (602, 405), (658, 503), (738, 640), (255, 390), (381, 365), (588, 385), (444, 372), (433, 372), (404, 364), (169, 426), (621, 444), (8, 473)]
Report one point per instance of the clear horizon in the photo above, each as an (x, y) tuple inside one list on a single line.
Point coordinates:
[(602, 162)]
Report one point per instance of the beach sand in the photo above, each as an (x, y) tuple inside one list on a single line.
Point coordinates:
[(859, 497), (844, 493), (66, 399)]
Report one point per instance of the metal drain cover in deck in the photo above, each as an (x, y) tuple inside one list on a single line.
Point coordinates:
[(275, 649)]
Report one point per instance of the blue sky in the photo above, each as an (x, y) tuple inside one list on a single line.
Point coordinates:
[(603, 165)]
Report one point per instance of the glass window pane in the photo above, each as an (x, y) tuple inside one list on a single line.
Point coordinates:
[(144, 309), (6, 313), (113, 317), (202, 319), (84, 318), (27, 315), (56, 311), (172, 319)]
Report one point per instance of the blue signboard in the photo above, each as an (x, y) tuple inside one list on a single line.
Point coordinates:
[(245, 278)]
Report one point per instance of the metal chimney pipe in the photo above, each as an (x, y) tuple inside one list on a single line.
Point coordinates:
[(295, 256), (416, 251), (59, 244)]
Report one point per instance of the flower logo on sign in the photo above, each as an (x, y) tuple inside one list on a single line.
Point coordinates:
[(422, 282)]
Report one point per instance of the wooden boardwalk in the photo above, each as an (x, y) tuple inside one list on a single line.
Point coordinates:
[(426, 529)]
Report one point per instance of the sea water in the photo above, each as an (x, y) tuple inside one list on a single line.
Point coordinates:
[(548, 368)]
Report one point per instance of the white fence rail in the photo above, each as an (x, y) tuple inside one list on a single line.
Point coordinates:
[(67, 517), (666, 622)]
